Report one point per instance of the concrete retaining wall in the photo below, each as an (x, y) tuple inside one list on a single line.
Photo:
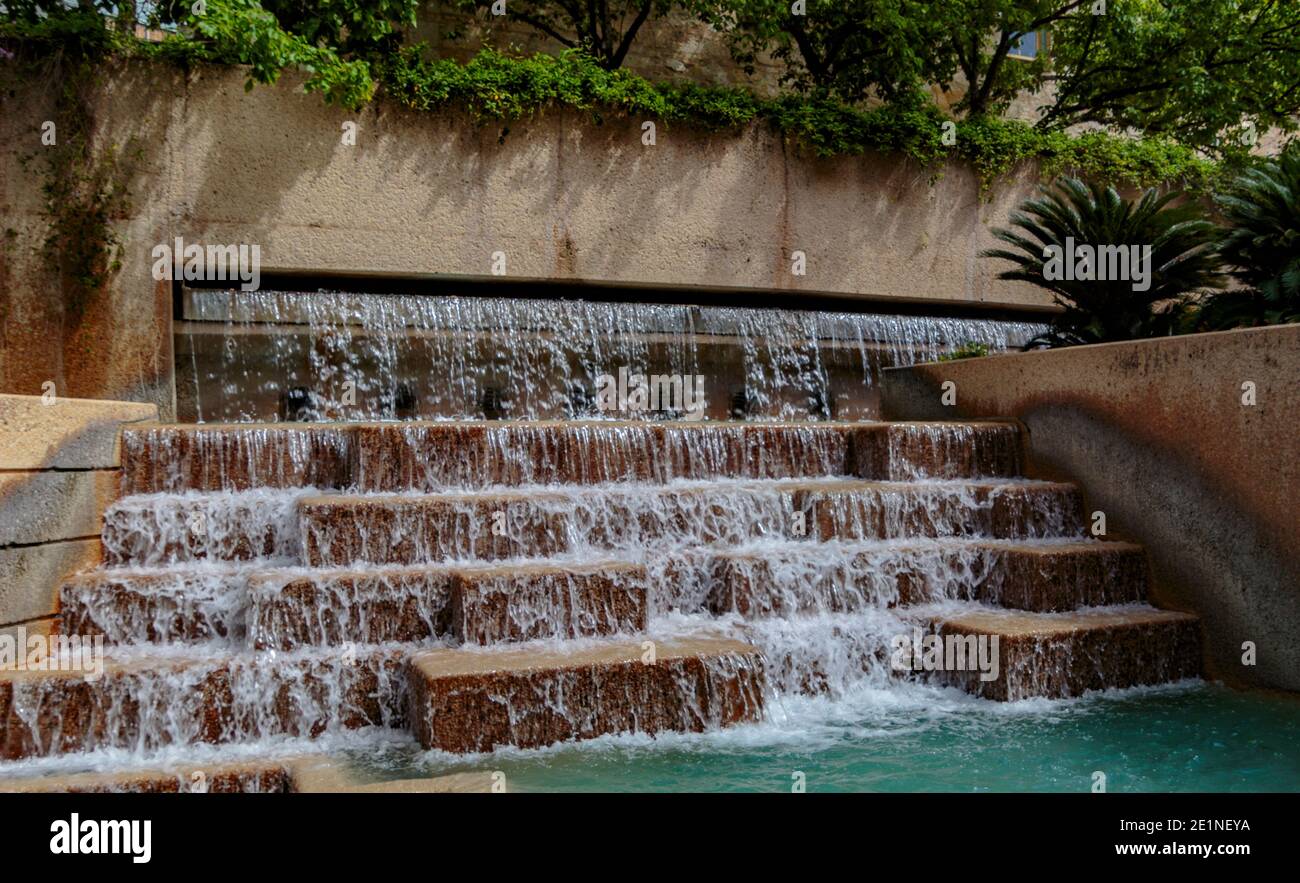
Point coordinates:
[(1157, 433), (436, 194), (59, 469)]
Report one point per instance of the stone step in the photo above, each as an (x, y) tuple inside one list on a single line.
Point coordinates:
[(331, 774), (158, 529), (299, 774), (436, 455), (297, 608), (531, 602), (839, 577), (592, 522), (176, 605), (465, 701), (243, 777), (146, 702), (1060, 655), (1019, 509), (235, 457), (474, 605), (902, 451)]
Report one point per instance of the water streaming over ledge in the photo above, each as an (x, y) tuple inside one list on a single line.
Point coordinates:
[(282, 355)]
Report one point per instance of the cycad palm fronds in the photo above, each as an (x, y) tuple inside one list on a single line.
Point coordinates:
[(1073, 218), (1261, 246)]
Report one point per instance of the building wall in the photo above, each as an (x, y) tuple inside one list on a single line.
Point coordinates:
[(1159, 436), (435, 194)]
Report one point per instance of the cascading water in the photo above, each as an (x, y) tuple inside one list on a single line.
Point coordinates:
[(268, 585), (278, 355)]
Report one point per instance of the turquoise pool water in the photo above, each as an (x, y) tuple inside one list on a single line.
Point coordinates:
[(1191, 737)]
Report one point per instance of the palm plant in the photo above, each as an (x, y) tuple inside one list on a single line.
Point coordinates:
[(1070, 215), (1261, 246)]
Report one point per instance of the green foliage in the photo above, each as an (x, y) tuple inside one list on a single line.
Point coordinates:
[(850, 49), (352, 27), (1194, 72), (1182, 259), (969, 350), (979, 38), (891, 49), (604, 30), (47, 28), (494, 85), (1261, 247), (243, 32)]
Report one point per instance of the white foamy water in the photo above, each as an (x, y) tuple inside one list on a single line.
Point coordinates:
[(290, 609), (270, 355)]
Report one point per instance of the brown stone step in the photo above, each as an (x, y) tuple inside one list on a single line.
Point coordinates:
[(529, 602), (851, 510), (157, 529), (900, 451), (419, 528), (1058, 655), (150, 701), (434, 456), (477, 605), (341, 530), (295, 608), (234, 457), (468, 701), (834, 577), (156, 606), (1053, 577)]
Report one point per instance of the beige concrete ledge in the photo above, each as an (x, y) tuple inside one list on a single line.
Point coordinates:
[(1161, 438), (67, 433), (30, 576), (38, 507), (334, 775)]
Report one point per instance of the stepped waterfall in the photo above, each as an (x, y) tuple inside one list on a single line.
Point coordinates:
[(293, 574)]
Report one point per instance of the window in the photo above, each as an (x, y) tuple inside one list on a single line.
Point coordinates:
[(1028, 45)]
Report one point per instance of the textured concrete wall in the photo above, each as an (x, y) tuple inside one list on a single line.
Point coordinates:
[(59, 470), (420, 194), (1157, 433)]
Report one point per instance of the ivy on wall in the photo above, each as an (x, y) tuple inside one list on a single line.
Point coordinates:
[(497, 86), (84, 188)]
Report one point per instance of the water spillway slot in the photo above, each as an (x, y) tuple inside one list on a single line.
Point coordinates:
[(330, 355)]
